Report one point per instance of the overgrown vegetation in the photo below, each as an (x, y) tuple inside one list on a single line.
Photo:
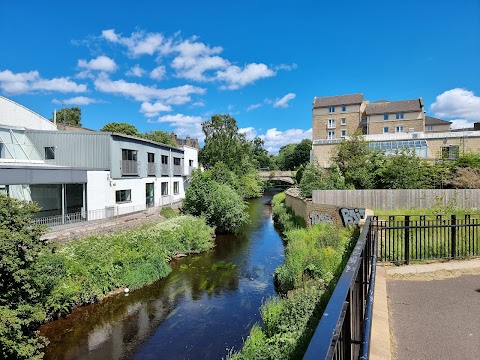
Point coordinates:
[(314, 259), (41, 282), (167, 212)]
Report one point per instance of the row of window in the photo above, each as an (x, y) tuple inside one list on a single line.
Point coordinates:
[(122, 196), (331, 134), (398, 129), (332, 109), (132, 155), (332, 122), (398, 116)]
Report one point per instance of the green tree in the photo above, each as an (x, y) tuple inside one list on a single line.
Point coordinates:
[(69, 116), (221, 206), (261, 157), (470, 159), (20, 302), (284, 157), (122, 128), (405, 170), (223, 142), (159, 136), (359, 164), (315, 178)]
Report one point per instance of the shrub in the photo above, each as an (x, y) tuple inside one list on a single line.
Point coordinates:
[(167, 212)]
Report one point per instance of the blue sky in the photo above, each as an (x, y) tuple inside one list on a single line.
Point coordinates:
[(171, 65)]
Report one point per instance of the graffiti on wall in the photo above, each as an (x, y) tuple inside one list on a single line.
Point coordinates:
[(351, 216), (317, 217)]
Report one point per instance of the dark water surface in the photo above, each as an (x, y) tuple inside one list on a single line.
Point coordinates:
[(206, 306)]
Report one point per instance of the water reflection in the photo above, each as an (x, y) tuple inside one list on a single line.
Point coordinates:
[(203, 308)]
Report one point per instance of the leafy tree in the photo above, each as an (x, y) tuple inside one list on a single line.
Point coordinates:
[(284, 157), (69, 116), (221, 206), (159, 136), (20, 302), (250, 185), (468, 160), (262, 159), (223, 142), (223, 175), (315, 178), (122, 128), (292, 156), (405, 170), (358, 163)]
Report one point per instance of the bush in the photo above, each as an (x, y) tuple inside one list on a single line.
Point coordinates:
[(218, 203), (283, 217), (167, 212)]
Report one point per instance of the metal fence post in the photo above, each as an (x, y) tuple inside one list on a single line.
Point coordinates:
[(407, 239), (454, 236)]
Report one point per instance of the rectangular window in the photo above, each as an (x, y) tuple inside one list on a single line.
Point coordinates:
[(176, 188), (344, 108), (151, 157), (385, 116), (129, 154), (344, 133), (123, 196), (429, 127), (385, 130), (399, 116), (190, 163), (331, 135), (331, 123), (176, 161), (331, 109), (50, 153), (164, 188), (344, 121), (450, 152), (399, 128), (165, 159)]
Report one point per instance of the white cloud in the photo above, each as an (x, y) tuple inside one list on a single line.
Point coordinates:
[(275, 139), (286, 67), (21, 83), (152, 110), (135, 71), (139, 43), (458, 104), (283, 102), (158, 73), (100, 63), (250, 132), (141, 92), (183, 125), (79, 100), (199, 103), (236, 77), (253, 107)]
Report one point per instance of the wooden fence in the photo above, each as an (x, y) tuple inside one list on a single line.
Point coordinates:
[(399, 199)]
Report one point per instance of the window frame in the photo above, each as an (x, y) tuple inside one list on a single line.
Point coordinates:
[(343, 121), (331, 109), (388, 130), (175, 161), (123, 196), (343, 133), (385, 116), (164, 159), (344, 108), (129, 154), (176, 187), (52, 152), (399, 127), (399, 116), (164, 188), (331, 124), (331, 134)]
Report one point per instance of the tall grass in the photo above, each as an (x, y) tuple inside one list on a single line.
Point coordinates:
[(84, 271), (314, 259)]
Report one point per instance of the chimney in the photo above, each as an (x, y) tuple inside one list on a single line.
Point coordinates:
[(420, 100), (476, 126)]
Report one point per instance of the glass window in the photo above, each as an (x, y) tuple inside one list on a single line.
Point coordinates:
[(344, 133), (385, 116), (344, 108), (176, 187), (385, 129), (164, 159), (164, 188), (450, 152), (331, 135), (399, 128), (331, 123), (176, 161), (123, 196), (190, 163), (129, 154), (429, 127), (151, 157), (50, 153), (344, 121), (331, 109), (399, 116)]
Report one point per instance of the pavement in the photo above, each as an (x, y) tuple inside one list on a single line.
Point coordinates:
[(427, 311)]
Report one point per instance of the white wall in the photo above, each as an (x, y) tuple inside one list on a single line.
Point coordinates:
[(98, 190), (16, 115), (189, 154)]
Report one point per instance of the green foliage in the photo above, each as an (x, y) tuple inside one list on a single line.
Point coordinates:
[(122, 128), (283, 217), (468, 160), (291, 156), (159, 136), (221, 206), (69, 116), (260, 156), (314, 178), (168, 213), (250, 185), (20, 308)]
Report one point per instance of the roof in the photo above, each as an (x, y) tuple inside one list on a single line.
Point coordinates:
[(394, 106), (328, 101), (434, 121)]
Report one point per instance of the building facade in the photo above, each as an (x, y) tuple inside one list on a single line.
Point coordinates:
[(86, 175)]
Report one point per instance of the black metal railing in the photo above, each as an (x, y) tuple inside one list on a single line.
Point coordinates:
[(344, 329), (403, 238)]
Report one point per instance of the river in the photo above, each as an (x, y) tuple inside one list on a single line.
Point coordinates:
[(203, 309)]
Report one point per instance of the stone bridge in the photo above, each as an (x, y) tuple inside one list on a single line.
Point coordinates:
[(285, 176)]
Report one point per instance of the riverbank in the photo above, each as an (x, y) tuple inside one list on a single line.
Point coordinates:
[(314, 259)]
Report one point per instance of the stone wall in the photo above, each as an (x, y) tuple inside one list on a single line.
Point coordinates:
[(321, 213)]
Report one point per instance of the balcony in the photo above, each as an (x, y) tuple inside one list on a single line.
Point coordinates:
[(165, 170), (129, 167), (188, 171), (151, 169), (177, 170)]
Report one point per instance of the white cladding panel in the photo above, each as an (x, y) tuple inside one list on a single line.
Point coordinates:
[(16, 115)]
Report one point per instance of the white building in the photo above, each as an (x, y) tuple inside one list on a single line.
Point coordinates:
[(87, 175)]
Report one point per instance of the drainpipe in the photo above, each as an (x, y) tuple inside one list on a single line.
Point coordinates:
[(63, 203), (55, 117), (170, 190)]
